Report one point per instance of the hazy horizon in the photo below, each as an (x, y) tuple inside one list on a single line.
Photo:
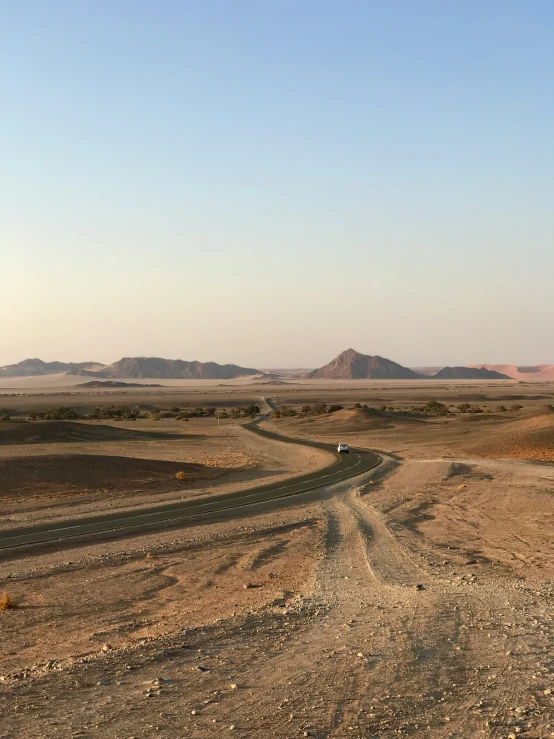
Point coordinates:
[(270, 184)]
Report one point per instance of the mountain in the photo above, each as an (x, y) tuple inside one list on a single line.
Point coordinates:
[(468, 373), (33, 367), (525, 374), (169, 369), (132, 368), (351, 365)]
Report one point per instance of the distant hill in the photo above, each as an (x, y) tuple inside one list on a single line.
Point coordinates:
[(351, 365), (34, 367), (525, 374), (132, 368), (169, 369), (468, 373)]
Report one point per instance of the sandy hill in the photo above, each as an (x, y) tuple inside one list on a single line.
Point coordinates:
[(469, 373), (53, 432), (357, 419), (34, 367), (526, 374), (170, 369), (528, 438), (351, 365), (115, 383)]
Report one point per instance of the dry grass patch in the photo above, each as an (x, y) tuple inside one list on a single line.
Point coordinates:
[(6, 602)]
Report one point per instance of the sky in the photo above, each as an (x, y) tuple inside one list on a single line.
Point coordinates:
[(270, 182)]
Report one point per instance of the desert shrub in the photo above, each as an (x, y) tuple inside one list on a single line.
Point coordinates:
[(275, 414), (306, 409), (335, 408), (175, 409), (180, 475), (56, 414), (224, 414), (319, 409), (432, 408), (516, 407), (6, 417), (155, 416), (123, 413), (357, 405), (6, 602), (464, 407), (502, 409)]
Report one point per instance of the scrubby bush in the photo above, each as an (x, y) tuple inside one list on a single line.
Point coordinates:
[(468, 408), (56, 414), (6, 602), (118, 413), (432, 408), (318, 409), (335, 408), (286, 411)]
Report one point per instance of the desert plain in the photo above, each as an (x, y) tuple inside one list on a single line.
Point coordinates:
[(415, 599)]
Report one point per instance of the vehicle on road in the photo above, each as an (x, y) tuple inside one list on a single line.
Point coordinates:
[(343, 449)]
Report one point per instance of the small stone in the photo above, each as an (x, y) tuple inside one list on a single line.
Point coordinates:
[(233, 686), (232, 727), (419, 586)]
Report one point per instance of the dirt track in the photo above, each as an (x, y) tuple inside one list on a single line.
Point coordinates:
[(349, 647), (306, 621)]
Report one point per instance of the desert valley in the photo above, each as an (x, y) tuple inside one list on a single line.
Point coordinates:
[(184, 554)]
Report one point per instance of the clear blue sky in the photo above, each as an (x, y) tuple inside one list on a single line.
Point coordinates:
[(270, 182)]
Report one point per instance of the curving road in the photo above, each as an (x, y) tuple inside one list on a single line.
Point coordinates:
[(343, 467)]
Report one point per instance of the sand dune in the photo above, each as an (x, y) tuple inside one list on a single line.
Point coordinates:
[(357, 419), (524, 374), (530, 438)]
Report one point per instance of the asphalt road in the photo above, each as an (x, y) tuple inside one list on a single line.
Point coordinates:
[(343, 467)]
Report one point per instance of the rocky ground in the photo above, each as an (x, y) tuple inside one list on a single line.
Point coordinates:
[(415, 601)]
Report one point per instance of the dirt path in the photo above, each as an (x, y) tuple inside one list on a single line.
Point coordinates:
[(383, 638)]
